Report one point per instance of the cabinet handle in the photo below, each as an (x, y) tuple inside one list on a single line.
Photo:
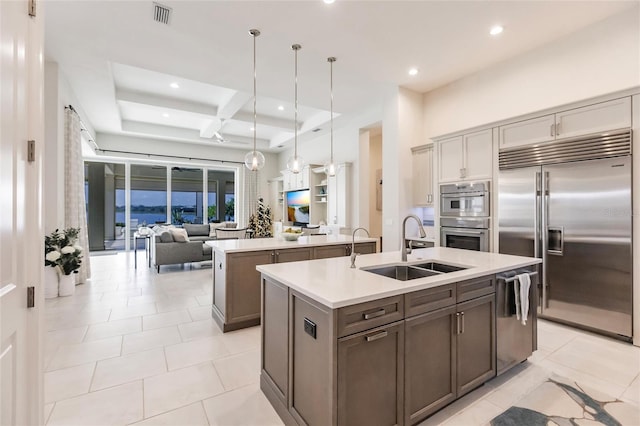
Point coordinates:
[(461, 173), (375, 314), (220, 266), (372, 337), (557, 129), (457, 322), (462, 321), (551, 130)]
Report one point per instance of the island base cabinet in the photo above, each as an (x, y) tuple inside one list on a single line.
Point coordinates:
[(313, 343), (476, 343), (275, 339), (430, 363), (370, 377)]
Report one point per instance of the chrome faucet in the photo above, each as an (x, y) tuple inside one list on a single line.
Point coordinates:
[(353, 245), (423, 234)]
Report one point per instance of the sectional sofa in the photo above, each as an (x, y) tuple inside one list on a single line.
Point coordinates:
[(168, 249)]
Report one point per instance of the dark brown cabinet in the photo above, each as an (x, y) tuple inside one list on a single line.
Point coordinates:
[(450, 350), (430, 362), (293, 255), (476, 346), (370, 377), (324, 252)]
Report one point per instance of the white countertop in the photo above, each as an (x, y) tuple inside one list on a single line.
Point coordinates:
[(332, 283), (426, 239), (255, 244)]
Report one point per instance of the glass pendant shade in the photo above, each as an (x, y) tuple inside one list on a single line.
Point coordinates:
[(254, 160), (330, 168), (295, 163)]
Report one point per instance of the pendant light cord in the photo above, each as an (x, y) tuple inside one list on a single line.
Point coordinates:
[(295, 47), (255, 34), (331, 61)]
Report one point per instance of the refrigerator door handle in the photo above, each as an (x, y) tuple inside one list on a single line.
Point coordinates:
[(536, 217), (545, 239)]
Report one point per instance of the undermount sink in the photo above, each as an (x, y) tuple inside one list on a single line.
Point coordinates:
[(406, 272)]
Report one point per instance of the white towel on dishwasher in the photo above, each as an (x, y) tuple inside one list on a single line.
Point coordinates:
[(522, 284)]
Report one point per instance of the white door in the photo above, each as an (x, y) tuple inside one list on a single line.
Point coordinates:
[(450, 157), (478, 154), (611, 115), (21, 234), (528, 132)]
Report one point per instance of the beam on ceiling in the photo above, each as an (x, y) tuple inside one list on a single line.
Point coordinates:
[(164, 102), (280, 139), (265, 120), (315, 121), (229, 107), (211, 127), (187, 135)]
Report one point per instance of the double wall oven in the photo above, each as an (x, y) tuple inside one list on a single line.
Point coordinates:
[(464, 215)]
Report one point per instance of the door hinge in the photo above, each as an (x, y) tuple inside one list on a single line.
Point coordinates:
[(31, 151), (32, 8), (31, 297)]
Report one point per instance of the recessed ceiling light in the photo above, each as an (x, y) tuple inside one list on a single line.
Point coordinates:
[(496, 29), (174, 85), (413, 71), (328, 1), (280, 108), (251, 129), (165, 115)]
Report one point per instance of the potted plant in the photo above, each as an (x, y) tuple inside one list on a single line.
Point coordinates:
[(64, 255)]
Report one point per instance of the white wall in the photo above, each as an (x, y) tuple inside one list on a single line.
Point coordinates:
[(375, 163), (597, 60)]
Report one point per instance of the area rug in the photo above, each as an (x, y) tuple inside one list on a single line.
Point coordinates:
[(559, 401)]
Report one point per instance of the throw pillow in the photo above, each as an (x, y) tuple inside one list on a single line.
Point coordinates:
[(166, 237), (179, 235), (213, 227)]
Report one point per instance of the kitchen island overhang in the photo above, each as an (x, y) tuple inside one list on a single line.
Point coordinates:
[(329, 332)]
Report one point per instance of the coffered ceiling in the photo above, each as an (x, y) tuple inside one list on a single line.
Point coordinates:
[(121, 63)]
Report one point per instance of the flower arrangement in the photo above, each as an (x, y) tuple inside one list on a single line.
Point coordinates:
[(62, 252)]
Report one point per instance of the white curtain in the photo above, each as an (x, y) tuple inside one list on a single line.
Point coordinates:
[(75, 215)]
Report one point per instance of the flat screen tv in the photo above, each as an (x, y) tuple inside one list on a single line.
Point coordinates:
[(298, 207)]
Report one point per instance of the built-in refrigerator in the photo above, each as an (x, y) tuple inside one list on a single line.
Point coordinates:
[(569, 203)]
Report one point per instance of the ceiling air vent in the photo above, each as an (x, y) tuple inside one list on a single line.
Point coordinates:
[(316, 130), (161, 13)]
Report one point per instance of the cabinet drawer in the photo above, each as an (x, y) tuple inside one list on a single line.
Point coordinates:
[(352, 319), (430, 299), (476, 287)]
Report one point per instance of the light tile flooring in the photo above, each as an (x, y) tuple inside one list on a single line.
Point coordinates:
[(137, 347)]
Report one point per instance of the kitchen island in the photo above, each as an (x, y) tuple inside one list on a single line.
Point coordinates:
[(344, 346), (236, 283)]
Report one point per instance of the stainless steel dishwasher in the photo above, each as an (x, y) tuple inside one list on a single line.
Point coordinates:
[(515, 342)]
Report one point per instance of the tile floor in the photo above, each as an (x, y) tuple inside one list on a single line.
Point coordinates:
[(137, 347)]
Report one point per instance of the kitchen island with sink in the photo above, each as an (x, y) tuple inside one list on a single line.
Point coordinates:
[(389, 342)]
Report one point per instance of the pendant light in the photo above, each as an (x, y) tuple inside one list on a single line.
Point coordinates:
[(254, 160), (295, 163), (330, 167)]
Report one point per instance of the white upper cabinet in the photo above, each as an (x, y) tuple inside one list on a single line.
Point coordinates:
[(612, 115), (467, 157), (478, 154), (600, 117), (528, 132), (422, 172), (450, 161), (295, 181), (338, 197)]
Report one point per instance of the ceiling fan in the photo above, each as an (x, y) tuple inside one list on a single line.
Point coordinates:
[(222, 139)]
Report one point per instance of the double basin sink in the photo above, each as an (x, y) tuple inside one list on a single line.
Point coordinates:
[(406, 272)]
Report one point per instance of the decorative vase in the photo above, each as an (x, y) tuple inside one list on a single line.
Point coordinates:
[(50, 282), (67, 285)]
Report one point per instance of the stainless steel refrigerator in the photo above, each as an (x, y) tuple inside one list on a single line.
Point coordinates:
[(575, 214)]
